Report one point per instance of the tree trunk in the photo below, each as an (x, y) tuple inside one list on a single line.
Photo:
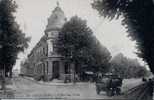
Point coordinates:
[(3, 84), (73, 71), (10, 73), (3, 80)]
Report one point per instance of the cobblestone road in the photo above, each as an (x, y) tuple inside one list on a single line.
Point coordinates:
[(25, 88)]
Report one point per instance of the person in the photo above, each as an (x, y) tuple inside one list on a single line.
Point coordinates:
[(144, 91), (144, 79)]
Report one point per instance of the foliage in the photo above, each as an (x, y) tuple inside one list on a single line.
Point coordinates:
[(127, 68), (77, 43), (138, 19), (101, 57), (12, 39)]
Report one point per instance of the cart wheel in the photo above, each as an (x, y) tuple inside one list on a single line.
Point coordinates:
[(98, 91), (110, 92), (118, 91)]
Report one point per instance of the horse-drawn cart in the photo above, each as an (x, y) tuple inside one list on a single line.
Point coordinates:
[(111, 84)]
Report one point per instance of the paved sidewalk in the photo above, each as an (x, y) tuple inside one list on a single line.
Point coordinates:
[(57, 82), (8, 93), (28, 88)]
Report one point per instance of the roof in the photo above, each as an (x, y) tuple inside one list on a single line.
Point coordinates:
[(56, 20)]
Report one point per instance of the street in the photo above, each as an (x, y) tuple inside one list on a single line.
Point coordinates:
[(26, 88)]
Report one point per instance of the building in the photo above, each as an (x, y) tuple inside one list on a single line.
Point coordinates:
[(15, 72), (43, 61)]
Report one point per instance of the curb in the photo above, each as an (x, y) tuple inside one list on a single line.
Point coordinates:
[(54, 84)]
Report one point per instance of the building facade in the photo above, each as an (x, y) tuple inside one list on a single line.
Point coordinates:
[(44, 61)]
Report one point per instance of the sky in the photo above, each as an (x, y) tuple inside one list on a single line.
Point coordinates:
[(32, 17)]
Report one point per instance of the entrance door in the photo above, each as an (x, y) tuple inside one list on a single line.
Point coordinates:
[(67, 68), (56, 69)]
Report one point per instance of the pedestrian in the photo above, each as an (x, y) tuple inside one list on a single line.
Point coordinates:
[(144, 79)]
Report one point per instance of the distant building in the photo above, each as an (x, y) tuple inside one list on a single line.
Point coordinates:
[(15, 72), (44, 61)]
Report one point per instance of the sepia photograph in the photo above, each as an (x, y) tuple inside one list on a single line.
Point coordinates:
[(76, 49)]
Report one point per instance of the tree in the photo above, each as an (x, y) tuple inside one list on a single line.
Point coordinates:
[(12, 39), (138, 19), (101, 57), (126, 67), (119, 65), (78, 44), (142, 72)]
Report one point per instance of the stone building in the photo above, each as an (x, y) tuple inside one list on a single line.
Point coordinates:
[(44, 61)]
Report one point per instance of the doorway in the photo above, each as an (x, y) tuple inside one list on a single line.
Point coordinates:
[(56, 73)]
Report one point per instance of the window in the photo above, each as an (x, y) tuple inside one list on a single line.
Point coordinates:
[(47, 67), (56, 16), (50, 46), (50, 34), (54, 47), (56, 73), (44, 53), (67, 68)]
